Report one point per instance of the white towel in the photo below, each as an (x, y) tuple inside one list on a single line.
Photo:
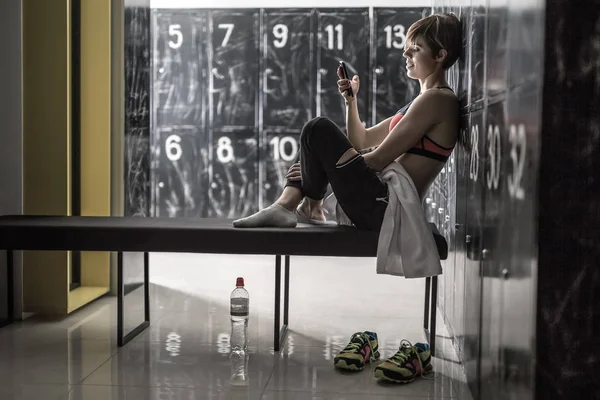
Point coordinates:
[(406, 245)]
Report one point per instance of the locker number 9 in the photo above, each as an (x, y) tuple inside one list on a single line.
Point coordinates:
[(280, 31)]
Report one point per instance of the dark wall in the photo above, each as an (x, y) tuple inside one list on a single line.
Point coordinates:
[(568, 317), (521, 213), (485, 201), (137, 108), (232, 89), (11, 138)]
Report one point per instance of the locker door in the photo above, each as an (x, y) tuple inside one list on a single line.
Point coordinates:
[(462, 178), (520, 156), (343, 35), (393, 88), (179, 136), (494, 257), (233, 56), (496, 68), (477, 38), (286, 95), (469, 341)]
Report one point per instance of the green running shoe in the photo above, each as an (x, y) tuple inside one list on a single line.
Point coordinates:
[(408, 363), (363, 348)]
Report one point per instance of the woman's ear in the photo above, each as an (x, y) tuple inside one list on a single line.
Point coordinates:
[(442, 55)]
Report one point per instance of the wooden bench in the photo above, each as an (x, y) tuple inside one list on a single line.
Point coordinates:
[(191, 235)]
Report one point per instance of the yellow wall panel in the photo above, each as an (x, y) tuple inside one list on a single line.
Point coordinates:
[(46, 143), (95, 153)]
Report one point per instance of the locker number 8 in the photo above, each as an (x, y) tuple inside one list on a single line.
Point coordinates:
[(280, 31), (173, 147), (279, 149), (224, 150), (398, 32)]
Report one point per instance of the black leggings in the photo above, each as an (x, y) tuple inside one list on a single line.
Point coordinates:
[(358, 189)]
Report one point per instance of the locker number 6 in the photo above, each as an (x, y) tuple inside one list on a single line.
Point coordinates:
[(173, 148)]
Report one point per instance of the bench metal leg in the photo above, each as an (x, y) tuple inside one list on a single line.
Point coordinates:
[(279, 331), (10, 268), (122, 337), (429, 321), (432, 337), (427, 294)]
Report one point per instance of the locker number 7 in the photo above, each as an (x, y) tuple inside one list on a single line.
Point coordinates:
[(229, 28)]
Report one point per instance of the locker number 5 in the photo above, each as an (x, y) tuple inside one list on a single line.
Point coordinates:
[(175, 30)]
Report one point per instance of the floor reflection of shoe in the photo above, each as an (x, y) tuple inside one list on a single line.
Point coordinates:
[(362, 348), (407, 364)]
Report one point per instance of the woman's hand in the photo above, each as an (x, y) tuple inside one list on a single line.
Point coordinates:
[(294, 173), (344, 84)]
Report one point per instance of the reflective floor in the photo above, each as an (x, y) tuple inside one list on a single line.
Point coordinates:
[(184, 353)]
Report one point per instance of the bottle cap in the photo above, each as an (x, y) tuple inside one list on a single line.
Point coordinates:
[(239, 282)]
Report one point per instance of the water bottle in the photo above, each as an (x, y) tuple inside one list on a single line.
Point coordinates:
[(239, 311)]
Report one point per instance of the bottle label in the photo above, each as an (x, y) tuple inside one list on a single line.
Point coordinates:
[(239, 307)]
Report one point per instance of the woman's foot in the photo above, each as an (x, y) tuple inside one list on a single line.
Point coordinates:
[(311, 212), (281, 214), (275, 216)]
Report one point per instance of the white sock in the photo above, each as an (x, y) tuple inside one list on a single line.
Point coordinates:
[(272, 216)]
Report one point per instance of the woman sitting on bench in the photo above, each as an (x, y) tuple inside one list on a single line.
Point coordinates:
[(420, 136)]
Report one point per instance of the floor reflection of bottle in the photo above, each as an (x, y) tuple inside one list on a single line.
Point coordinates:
[(239, 310)]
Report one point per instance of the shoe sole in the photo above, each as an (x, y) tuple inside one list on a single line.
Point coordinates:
[(380, 374), (342, 364)]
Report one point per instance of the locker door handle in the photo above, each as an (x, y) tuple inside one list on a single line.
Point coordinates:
[(485, 254), (265, 79), (378, 70)]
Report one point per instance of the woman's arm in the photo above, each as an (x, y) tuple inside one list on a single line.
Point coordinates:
[(355, 128), (360, 137), (425, 112)]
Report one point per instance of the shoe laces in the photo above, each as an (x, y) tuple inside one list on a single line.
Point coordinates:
[(358, 340), (403, 354)]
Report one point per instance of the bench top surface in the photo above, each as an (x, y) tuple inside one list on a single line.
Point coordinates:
[(195, 235)]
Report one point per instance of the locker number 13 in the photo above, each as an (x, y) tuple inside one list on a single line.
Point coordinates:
[(392, 34)]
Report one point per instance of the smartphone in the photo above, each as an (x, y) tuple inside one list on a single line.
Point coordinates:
[(346, 76)]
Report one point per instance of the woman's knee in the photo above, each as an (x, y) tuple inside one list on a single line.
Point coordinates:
[(321, 124)]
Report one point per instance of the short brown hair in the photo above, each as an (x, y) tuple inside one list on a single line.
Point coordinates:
[(440, 31)]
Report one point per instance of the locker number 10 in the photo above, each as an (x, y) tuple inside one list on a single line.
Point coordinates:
[(283, 152)]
